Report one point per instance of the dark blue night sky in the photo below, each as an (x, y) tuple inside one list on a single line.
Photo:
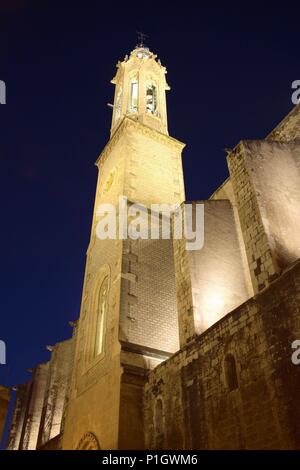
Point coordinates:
[(230, 69)]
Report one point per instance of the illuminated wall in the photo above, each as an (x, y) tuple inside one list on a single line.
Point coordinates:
[(274, 168), (218, 280), (211, 281), (266, 182), (60, 366), (145, 166), (200, 410), (31, 426), (39, 404), (18, 417)]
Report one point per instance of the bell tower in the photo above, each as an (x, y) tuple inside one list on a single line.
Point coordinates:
[(128, 320), (140, 91)]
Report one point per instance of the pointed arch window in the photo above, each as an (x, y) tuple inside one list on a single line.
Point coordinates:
[(101, 312), (151, 99), (133, 96), (231, 372)]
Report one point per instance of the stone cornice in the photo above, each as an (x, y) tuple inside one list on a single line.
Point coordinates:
[(128, 123)]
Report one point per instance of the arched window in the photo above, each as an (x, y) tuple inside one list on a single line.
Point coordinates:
[(230, 372), (151, 99), (133, 106), (101, 311)]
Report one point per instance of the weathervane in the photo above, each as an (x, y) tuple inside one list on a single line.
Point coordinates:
[(141, 38)]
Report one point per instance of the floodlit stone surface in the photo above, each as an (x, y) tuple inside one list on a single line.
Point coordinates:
[(199, 411), (179, 349), (210, 282), (40, 404)]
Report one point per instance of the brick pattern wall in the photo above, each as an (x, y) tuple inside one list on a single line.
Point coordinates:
[(149, 295)]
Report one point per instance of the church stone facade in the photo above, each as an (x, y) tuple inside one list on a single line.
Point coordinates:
[(4, 403), (179, 349)]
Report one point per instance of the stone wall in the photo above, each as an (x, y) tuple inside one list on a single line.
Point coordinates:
[(211, 281), (33, 415), (225, 191), (265, 178), (18, 417), (145, 166), (58, 381), (131, 419), (148, 325), (153, 172), (234, 386), (40, 403), (4, 402), (260, 171)]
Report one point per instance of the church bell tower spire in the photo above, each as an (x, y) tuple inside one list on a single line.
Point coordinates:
[(128, 319), (140, 91)]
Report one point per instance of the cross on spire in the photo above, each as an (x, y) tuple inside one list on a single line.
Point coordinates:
[(141, 38)]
